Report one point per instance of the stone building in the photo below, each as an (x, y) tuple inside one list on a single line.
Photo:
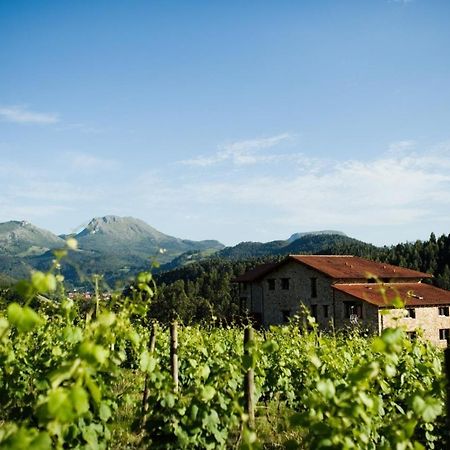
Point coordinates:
[(343, 291)]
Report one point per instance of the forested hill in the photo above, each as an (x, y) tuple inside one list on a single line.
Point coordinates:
[(320, 242), (203, 289)]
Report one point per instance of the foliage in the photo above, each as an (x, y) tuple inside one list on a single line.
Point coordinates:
[(208, 405), (63, 365), (58, 370), (309, 243), (351, 392)]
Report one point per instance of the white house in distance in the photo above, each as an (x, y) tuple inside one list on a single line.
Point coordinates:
[(345, 291)]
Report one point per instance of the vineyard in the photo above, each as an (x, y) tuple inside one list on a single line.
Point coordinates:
[(104, 375)]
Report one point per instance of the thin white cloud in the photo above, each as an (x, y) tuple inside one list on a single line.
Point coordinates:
[(21, 114), (82, 127), (399, 147), (241, 152), (11, 171), (89, 162), (408, 189), (31, 192)]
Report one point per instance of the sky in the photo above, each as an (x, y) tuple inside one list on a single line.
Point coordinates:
[(236, 121)]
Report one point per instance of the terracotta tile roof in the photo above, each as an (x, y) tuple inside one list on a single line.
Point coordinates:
[(256, 273), (353, 267), (413, 294), (339, 267)]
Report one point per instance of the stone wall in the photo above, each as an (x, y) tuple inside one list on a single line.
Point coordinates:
[(279, 304), (328, 306), (427, 319)]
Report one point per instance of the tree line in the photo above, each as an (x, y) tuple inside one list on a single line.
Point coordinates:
[(203, 291)]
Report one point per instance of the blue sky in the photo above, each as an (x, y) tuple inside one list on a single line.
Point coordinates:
[(228, 120)]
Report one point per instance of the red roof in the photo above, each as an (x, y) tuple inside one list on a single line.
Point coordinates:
[(382, 295), (354, 267), (339, 267)]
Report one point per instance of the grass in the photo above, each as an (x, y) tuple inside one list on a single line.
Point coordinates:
[(272, 426), (272, 420), (125, 434)]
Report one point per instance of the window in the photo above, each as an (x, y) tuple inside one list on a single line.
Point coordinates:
[(314, 311), (271, 283), (285, 284), (244, 286), (443, 311), (411, 335), (411, 313), (313, 287), (286, 314), (325, 310), (352, 309), (444, 334)]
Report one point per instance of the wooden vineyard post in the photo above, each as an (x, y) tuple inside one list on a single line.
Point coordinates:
[(151, 350), (152, 338), (249, 381), (174, 353)]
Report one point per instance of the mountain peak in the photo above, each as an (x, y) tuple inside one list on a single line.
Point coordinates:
[(19, 237), (112, 219), (123, 227), (135, 239), (17, 224)]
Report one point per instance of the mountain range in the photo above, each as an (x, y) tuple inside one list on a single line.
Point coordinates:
[(118, 247)]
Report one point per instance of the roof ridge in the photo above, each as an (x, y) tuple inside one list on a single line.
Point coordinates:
[(324, 256)]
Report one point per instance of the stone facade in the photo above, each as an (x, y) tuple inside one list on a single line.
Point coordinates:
[(424, 320), (282, 292), (273, 300), (271, 304)]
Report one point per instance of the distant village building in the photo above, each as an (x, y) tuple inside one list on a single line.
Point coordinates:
[(343, 291)]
